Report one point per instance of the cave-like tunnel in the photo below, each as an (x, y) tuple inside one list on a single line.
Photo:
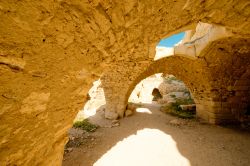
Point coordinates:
[(52, 51)]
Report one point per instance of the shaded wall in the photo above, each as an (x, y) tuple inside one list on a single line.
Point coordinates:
[(52, 51)]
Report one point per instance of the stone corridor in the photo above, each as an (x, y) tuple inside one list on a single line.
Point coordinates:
[(52, 51)]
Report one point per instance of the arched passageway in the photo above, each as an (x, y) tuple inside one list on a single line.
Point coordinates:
[(52, 51), (163, 92), (210, 79), (169, 65)]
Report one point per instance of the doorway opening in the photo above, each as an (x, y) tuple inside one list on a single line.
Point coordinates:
[(166, 92)]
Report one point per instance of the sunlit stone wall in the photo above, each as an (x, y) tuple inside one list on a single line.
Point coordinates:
[(52, 51)]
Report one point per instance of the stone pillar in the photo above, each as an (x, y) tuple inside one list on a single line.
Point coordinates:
[(115, 103), (214, 112), (117, 83)]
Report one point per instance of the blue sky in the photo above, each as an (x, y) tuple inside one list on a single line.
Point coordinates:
[(172, 40)]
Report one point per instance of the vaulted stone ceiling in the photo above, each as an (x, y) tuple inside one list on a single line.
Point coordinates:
[(52, 51)]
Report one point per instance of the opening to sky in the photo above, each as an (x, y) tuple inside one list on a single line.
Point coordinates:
[(172, 40)]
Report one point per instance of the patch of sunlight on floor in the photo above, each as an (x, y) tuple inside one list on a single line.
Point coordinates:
[(149, 147), (143, 110)]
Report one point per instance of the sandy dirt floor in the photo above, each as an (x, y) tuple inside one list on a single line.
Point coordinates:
[(153, 138)]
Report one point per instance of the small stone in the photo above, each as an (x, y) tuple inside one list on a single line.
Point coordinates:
[(111, 115), (128, 113), (69, 149), (176, 122), (131, 107), (115, 123)]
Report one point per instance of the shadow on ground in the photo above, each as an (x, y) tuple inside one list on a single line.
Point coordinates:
[(152, 137)]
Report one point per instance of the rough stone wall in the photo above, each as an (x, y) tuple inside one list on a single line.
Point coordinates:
[(226, 63), (240, 100), (52, 51), (211, 79)]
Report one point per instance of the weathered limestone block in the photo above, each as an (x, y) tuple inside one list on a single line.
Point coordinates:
[(203, 35), (128, 113), (56, 49)]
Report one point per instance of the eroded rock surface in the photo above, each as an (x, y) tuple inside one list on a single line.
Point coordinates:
[(55, 50)]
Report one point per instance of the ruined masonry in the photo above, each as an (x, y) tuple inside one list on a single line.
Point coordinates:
[(52, 51)]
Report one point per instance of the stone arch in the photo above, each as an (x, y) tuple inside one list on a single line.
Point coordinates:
[(190, 71), (168, 65), (181, 67), (208, 78), (51, 53)]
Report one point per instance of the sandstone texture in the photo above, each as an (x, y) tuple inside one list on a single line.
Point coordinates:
[(52, 51)]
